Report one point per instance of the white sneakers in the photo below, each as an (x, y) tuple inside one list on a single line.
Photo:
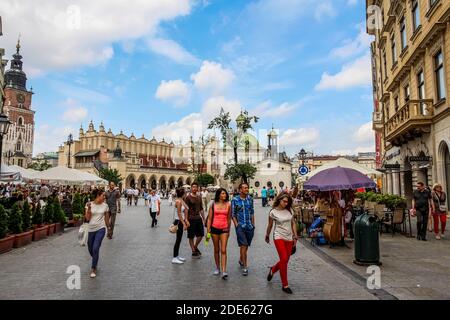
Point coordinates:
[(93, 275), (438, 237), (177, 261), (216, 272), (181, 258)]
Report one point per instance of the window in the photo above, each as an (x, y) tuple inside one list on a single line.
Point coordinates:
[(151, 163), (385, 64), (393, 50), (432, 3), (396, 105), (406, 92), (439, 74), (269, 165), (403, 33), (20, 162), (19, 146), (20, 121), (421, 89), (281, 184), (257, 184), (416, 15)]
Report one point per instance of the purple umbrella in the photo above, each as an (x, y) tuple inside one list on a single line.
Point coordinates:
[(338, 178)]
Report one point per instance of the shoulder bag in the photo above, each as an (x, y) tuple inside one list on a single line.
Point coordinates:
[(442, 207), (174, 226)]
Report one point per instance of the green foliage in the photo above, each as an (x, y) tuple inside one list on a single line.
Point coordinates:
[(390, 201), (110, 175), (40, 166), (49, 213), (77, 205), (204, 179), (222, 123), (58, 212), (26, 216), (15, 219), (37, 218), (241, 172), (3, 222)]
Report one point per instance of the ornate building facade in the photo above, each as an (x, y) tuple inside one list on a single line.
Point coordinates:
[(411, 79), (18, 143)]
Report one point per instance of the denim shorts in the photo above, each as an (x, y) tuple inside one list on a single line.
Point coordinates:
[(244, 236)]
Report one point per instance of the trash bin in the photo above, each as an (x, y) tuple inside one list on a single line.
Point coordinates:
[(367, 246)]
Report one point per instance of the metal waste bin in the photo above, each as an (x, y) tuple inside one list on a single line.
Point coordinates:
[(367, 245)]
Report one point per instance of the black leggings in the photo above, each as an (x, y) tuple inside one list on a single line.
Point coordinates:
[(176, 248)]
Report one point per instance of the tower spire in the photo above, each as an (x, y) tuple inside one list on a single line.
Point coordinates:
[(18, 44)]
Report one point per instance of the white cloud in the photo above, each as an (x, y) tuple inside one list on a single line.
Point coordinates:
[(172, 50), (231, 46), (174, 91), (61, 34), (352, 2), (354, 74), (211, 108), (180, 131), (49, 138), (75, 112), (299, 137), (267, 109), (324, 9), (364, 133), (353, 47), (352, 152), (213, 77)]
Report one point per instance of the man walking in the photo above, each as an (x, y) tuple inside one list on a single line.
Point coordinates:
[(264, 196), (196, 219), (205, 199), (155, 207), (423, 206), (242, 212), (113, 202)]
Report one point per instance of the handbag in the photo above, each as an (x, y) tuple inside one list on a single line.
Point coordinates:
[(442, 207), (294, 250), (174, 226), (83, 233)]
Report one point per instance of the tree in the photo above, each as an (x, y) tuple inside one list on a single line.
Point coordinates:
[(3, 222), (77, 205), (110, 175), (49, 212), (240, 172), (204, 179), (40, 166), (37, 218), (15, 219), (26, 216), (58, 212)]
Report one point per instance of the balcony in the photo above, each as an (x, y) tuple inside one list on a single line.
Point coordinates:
[(377, 121), (410, 121), (86, 165)]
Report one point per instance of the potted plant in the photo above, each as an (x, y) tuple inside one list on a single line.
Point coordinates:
[(25, 235), (59, 217), (40, 230), (77, 210), (6, 242), (49, 218)]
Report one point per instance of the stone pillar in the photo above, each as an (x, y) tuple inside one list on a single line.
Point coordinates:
[(395, 182), (402, 184), (389, 183)]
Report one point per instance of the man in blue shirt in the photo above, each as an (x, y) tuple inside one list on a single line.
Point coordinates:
[(264, 196), (243, 214)]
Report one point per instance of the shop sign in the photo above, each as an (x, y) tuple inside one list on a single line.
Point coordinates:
[(393, 153), (420, 159), (392, 166)]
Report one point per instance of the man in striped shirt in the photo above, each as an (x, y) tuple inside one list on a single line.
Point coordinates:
[(243, 214)]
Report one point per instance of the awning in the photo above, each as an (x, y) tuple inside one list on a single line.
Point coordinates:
[(86, 153), (19, 154)]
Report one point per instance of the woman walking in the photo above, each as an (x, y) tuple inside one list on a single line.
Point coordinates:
[(180, 210), (440, 211), (284, 235), (218, 226), (97, 213)]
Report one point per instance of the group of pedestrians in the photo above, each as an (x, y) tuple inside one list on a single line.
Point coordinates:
[(268, 195), (189, 215)]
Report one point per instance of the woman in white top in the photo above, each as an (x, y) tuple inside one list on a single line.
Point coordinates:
[(180, 212), (284, 235), (97, 213)]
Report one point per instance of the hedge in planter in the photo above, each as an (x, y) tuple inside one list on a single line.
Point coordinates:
[(59, 216), (77, 205), (49, 217), (15, 219), (40, 231), (26, 216), (25, 236), (38, 218), (6, 242)]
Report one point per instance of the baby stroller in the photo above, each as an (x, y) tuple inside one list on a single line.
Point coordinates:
[(316, 232)]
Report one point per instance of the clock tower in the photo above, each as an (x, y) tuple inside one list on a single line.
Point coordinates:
[(18, 143)]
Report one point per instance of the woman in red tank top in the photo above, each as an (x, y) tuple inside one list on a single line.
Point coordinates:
[(218, 225)]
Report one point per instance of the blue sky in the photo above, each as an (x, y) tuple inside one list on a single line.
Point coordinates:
[(163, 68)]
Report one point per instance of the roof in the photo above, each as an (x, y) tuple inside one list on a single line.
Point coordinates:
[(88, 153), (19, 154)]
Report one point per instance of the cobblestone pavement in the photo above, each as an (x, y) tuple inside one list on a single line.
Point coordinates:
[(411, 269), (136, 264)]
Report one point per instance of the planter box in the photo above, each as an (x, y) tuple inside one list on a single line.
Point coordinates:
[(6, 244), (70, 223), (59, 228), (22, 239), (40, 233), (51, 229)]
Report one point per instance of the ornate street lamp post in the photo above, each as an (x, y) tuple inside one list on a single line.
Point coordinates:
[(4, 127), (69, 143)]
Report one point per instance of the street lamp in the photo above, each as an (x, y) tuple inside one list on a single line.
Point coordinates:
[(69, 143), (4, 127)]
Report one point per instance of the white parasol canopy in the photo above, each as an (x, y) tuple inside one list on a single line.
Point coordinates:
[(67, 176), (345, 163), (27, 174), (9, 174)]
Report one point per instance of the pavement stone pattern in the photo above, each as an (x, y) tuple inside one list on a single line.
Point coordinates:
[(136, 264), (410, 269)]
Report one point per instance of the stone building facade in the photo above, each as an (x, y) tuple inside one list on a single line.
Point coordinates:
[(411, 81)]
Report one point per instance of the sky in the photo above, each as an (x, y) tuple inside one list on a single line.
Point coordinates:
[(164, 68)]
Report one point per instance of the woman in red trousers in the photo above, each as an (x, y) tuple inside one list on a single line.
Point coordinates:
[(284, 235)]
